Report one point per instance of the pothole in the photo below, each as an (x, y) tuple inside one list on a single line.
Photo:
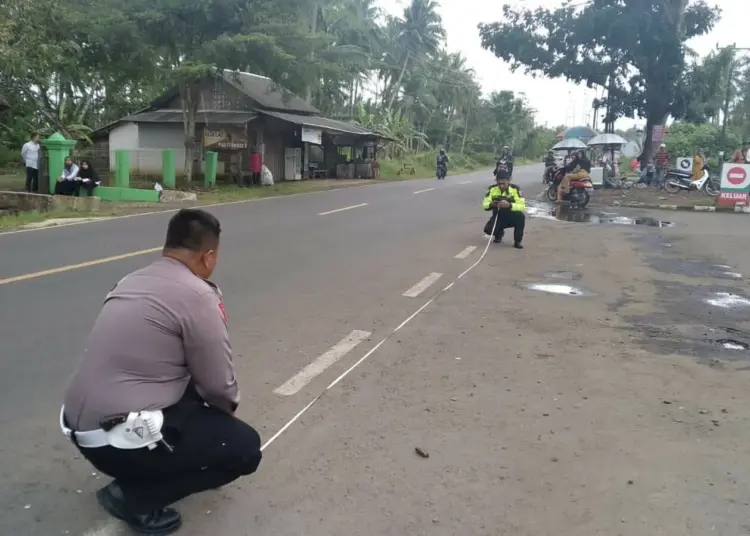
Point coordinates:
[(551, 288), (727, 300), (731, 344)]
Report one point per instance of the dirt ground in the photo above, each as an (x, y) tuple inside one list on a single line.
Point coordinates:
[(650, 196)]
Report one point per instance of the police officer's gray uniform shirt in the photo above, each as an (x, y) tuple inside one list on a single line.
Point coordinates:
[(158, 327)]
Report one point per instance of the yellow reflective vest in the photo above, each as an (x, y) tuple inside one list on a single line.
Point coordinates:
[(512, 195)]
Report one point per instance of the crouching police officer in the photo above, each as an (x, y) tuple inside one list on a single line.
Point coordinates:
[(507, 206), (152, 404)]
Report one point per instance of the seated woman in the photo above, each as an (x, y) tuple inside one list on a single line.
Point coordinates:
[(578, 168), (89, 178), (68, 182)]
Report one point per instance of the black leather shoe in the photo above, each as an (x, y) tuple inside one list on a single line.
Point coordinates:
[(157, 523), (518, 245), (497, 240)]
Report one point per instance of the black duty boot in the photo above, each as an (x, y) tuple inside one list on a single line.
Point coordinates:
[(518, 245), (497, 240), (160, 522)]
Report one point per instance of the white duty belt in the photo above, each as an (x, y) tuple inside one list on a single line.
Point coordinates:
[(138, 430)]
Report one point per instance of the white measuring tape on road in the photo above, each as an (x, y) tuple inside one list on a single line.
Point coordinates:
[(375, 348)]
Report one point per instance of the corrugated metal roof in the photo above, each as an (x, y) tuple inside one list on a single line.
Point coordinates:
[(267, 93), (203, 117), (321, 122)]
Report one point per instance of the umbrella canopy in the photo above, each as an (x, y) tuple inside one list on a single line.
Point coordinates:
[(569, 145), (607, 139), (581, 133)]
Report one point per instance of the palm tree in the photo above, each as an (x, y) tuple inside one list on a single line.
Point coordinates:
[(420, 33)]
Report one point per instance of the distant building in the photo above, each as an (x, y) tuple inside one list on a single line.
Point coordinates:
[(240, 112)]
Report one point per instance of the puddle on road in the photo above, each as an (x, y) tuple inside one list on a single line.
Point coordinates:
[(563, 213), (731, 344), (727, 300), (565, 290)]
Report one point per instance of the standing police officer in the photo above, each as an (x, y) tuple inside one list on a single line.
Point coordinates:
[(152, 404)]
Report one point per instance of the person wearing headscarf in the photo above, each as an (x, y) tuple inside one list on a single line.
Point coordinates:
[(89, 178), (699, 160)]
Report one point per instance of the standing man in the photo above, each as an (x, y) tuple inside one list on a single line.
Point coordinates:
[(507, 206), (31, 154), (152, 403), (662, 164)]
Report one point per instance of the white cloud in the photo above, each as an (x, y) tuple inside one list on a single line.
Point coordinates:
[(556, 101)]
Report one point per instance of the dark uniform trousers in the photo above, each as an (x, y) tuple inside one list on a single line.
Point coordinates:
[(211, 449), (506, 219)]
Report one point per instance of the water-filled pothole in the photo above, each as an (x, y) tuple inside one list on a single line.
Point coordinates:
[(561, 213), (552, 288), (731, 344), (727, 300)]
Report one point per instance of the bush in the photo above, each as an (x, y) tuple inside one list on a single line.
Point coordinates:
[(684, 138)]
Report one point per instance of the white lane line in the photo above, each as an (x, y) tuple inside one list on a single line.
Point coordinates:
[(423, 191), (336, 352), (465, 253), (465, 182), (420, 287), (341, 209), (374, 349)]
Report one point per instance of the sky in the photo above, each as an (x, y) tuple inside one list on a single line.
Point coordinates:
[(556, 102)]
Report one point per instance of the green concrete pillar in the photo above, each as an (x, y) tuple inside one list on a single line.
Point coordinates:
[(167, 168), (212, 163), (122, 168), (58, 149)]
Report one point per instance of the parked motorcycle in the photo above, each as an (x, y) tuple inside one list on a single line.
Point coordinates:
[(579, 193), (677, 180)]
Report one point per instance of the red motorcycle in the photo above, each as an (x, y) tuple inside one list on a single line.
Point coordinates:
[(579, 193)]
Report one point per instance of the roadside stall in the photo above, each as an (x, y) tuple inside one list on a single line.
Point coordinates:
[(610, 145)]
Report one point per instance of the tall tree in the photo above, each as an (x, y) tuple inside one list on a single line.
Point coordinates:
[(420, 34), (633, 48)]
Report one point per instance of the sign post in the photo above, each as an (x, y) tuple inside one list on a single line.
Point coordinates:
[(735, 185)]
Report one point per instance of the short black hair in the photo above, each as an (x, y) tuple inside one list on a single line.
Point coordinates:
[(193, 229)]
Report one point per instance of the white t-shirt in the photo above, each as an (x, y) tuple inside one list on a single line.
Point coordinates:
[(30, 154)]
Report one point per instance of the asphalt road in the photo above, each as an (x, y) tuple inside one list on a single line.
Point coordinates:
[(532, 427), (296, 282)]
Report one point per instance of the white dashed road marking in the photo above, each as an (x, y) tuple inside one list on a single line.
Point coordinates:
[(423, 191), (341, 209), (307, 374), (420, 287), (465, 253), (465, 182)]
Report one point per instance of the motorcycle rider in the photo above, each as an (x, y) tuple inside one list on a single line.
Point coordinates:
[(506, 159), (578, 168), (507, 205), (442, 163), (549, 165)]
